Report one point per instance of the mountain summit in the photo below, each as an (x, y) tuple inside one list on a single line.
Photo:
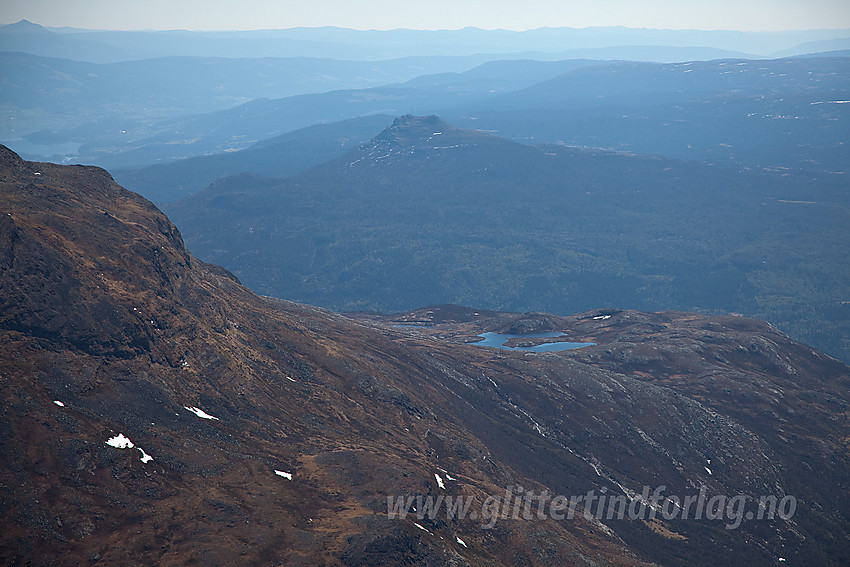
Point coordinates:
[(426, 137), (423, 131), (22, 26), (409, 127)]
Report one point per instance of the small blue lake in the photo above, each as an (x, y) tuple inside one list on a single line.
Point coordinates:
[(498, 340)]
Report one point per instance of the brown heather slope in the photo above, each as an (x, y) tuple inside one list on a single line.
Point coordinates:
[(104, 310)]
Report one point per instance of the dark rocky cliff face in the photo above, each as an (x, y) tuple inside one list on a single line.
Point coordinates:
[(268, 432)]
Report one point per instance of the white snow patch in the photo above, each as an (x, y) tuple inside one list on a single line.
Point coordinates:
[(120, 442), (145, 457), (421, 528), (439, 481), (603, 317), (708, 470), (447, 475), (290, 379), (286, 475), (200, 413), (460, 541), (58, 403)]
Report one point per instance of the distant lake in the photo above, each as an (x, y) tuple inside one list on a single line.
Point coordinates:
[(498, 340)]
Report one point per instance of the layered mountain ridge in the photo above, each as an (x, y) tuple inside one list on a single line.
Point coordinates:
[(426, 212), (784, 113), (270, 432)]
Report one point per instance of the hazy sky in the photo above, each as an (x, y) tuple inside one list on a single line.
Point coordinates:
[(431, 14)]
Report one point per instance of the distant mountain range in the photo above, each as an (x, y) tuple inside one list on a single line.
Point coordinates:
[(426, 212), (338, 43), (784, 113), (155, 411), (95, 112), (128, 99), (82, 96)]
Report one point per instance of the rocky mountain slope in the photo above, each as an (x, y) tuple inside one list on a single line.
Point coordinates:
[(273, 433)]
